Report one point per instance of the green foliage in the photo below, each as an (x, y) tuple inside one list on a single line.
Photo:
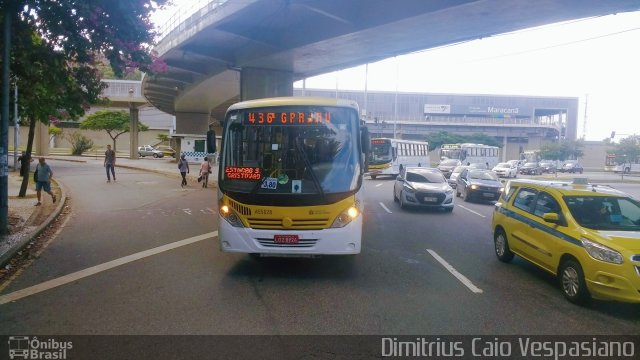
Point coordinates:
[(79, 143), (628, 148), (163, 137), (54, 130), (115, 123), (443, 137), (562, 150)]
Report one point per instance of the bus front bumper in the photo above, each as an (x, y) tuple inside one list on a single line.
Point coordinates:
[(333, 241)]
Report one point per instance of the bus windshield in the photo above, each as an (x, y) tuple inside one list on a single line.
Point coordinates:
[(380, 151), (291, 150), (451, 154)]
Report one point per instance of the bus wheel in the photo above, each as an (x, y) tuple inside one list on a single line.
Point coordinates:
[(373, 177)]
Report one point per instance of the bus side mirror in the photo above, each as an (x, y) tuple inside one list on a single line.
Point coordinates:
[(365, 140), (211, 142)]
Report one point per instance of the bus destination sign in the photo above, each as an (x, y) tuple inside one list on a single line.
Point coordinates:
[(378, 141), (243, 173), (286, 118)]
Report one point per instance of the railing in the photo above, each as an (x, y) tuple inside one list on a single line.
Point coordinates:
[(198, 8)]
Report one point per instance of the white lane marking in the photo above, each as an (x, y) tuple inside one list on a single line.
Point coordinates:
[(385, 208), (379, 184), (47, 285), (471, 211), (455, 273)]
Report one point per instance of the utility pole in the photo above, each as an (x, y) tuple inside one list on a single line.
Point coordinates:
[(4, 128)]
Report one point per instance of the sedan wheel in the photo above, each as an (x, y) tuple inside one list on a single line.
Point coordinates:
[(155, 156), (503, 252), (466, 195), (402, 204), (395, 198), (574, 288)]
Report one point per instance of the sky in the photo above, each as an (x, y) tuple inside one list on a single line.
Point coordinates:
[(596, 60)]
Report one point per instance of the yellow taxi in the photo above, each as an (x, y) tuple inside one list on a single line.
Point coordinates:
[(586, 235)]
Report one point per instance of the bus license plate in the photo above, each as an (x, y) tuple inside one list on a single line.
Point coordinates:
[(285, 239)]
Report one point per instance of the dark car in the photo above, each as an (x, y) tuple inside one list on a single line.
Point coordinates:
[(447, 166), (479, 184), (572, 167), (531, 168), (423, 187), (548, 167)]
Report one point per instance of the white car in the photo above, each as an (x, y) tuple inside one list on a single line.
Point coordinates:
[(505, 170), (148, 150)]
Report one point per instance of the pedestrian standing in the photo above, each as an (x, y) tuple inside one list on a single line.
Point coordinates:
[(110, 163), (183, 165), (205, 170), (43, 177)]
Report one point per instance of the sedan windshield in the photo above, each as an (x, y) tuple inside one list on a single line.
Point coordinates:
[(605, 213), (483, 175), (449, 162), (530, 165), (503, 165), (425, 177)]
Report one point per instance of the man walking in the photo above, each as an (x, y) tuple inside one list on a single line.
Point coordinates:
[(110, 163), (43, 180), (183, 166)]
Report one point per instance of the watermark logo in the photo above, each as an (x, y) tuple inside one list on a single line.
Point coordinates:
[(32, 348)]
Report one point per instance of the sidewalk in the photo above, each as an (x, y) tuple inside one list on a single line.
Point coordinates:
[(27, 221)]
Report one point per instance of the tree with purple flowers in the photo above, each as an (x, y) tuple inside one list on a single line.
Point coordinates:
[(57, 48)]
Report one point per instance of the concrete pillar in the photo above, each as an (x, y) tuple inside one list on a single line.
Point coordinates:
[(41, 139), (133, 131), (504, 148), (261, 83)]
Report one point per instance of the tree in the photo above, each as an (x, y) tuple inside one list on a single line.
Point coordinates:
[(628, 148), (163, 137), (53, 132), (115, 123), (55, 49), (443, 137), (562, 150)]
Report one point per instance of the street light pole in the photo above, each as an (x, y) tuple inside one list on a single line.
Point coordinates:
[(4, 128)]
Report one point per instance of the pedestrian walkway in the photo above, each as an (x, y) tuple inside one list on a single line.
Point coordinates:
[(28, 221)]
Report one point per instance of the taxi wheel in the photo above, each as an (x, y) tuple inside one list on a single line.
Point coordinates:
[(503, 252), (574, 288)]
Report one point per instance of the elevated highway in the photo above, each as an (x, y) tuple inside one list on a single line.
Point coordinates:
[(244, 49)]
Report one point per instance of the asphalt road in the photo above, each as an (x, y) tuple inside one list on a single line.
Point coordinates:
[(156, 274)]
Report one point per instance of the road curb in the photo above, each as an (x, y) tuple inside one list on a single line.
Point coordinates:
[(22, 243)]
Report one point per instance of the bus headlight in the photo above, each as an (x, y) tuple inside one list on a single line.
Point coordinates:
[(346, 217), (231, 216)]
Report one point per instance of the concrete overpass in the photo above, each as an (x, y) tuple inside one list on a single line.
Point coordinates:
[(235, 50)]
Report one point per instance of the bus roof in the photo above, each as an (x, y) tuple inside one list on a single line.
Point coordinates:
[(294, 100)]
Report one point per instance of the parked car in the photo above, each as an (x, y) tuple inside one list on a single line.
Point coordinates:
[(571, 167), (531, 168), (478, 184), (548, 167), (505, 170), (447, 166), (423, 187), (167, 150), (148, 150), (585, 235), (454, 175)]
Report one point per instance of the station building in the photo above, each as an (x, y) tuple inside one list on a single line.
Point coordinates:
[(519, 123)]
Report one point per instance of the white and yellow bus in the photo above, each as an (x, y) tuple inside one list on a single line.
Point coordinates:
[(290, 177), (389, 155)]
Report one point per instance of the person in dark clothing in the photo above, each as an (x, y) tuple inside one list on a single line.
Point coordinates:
[(110, 163)]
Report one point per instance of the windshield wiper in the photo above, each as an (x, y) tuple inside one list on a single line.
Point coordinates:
[(307, 163)]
